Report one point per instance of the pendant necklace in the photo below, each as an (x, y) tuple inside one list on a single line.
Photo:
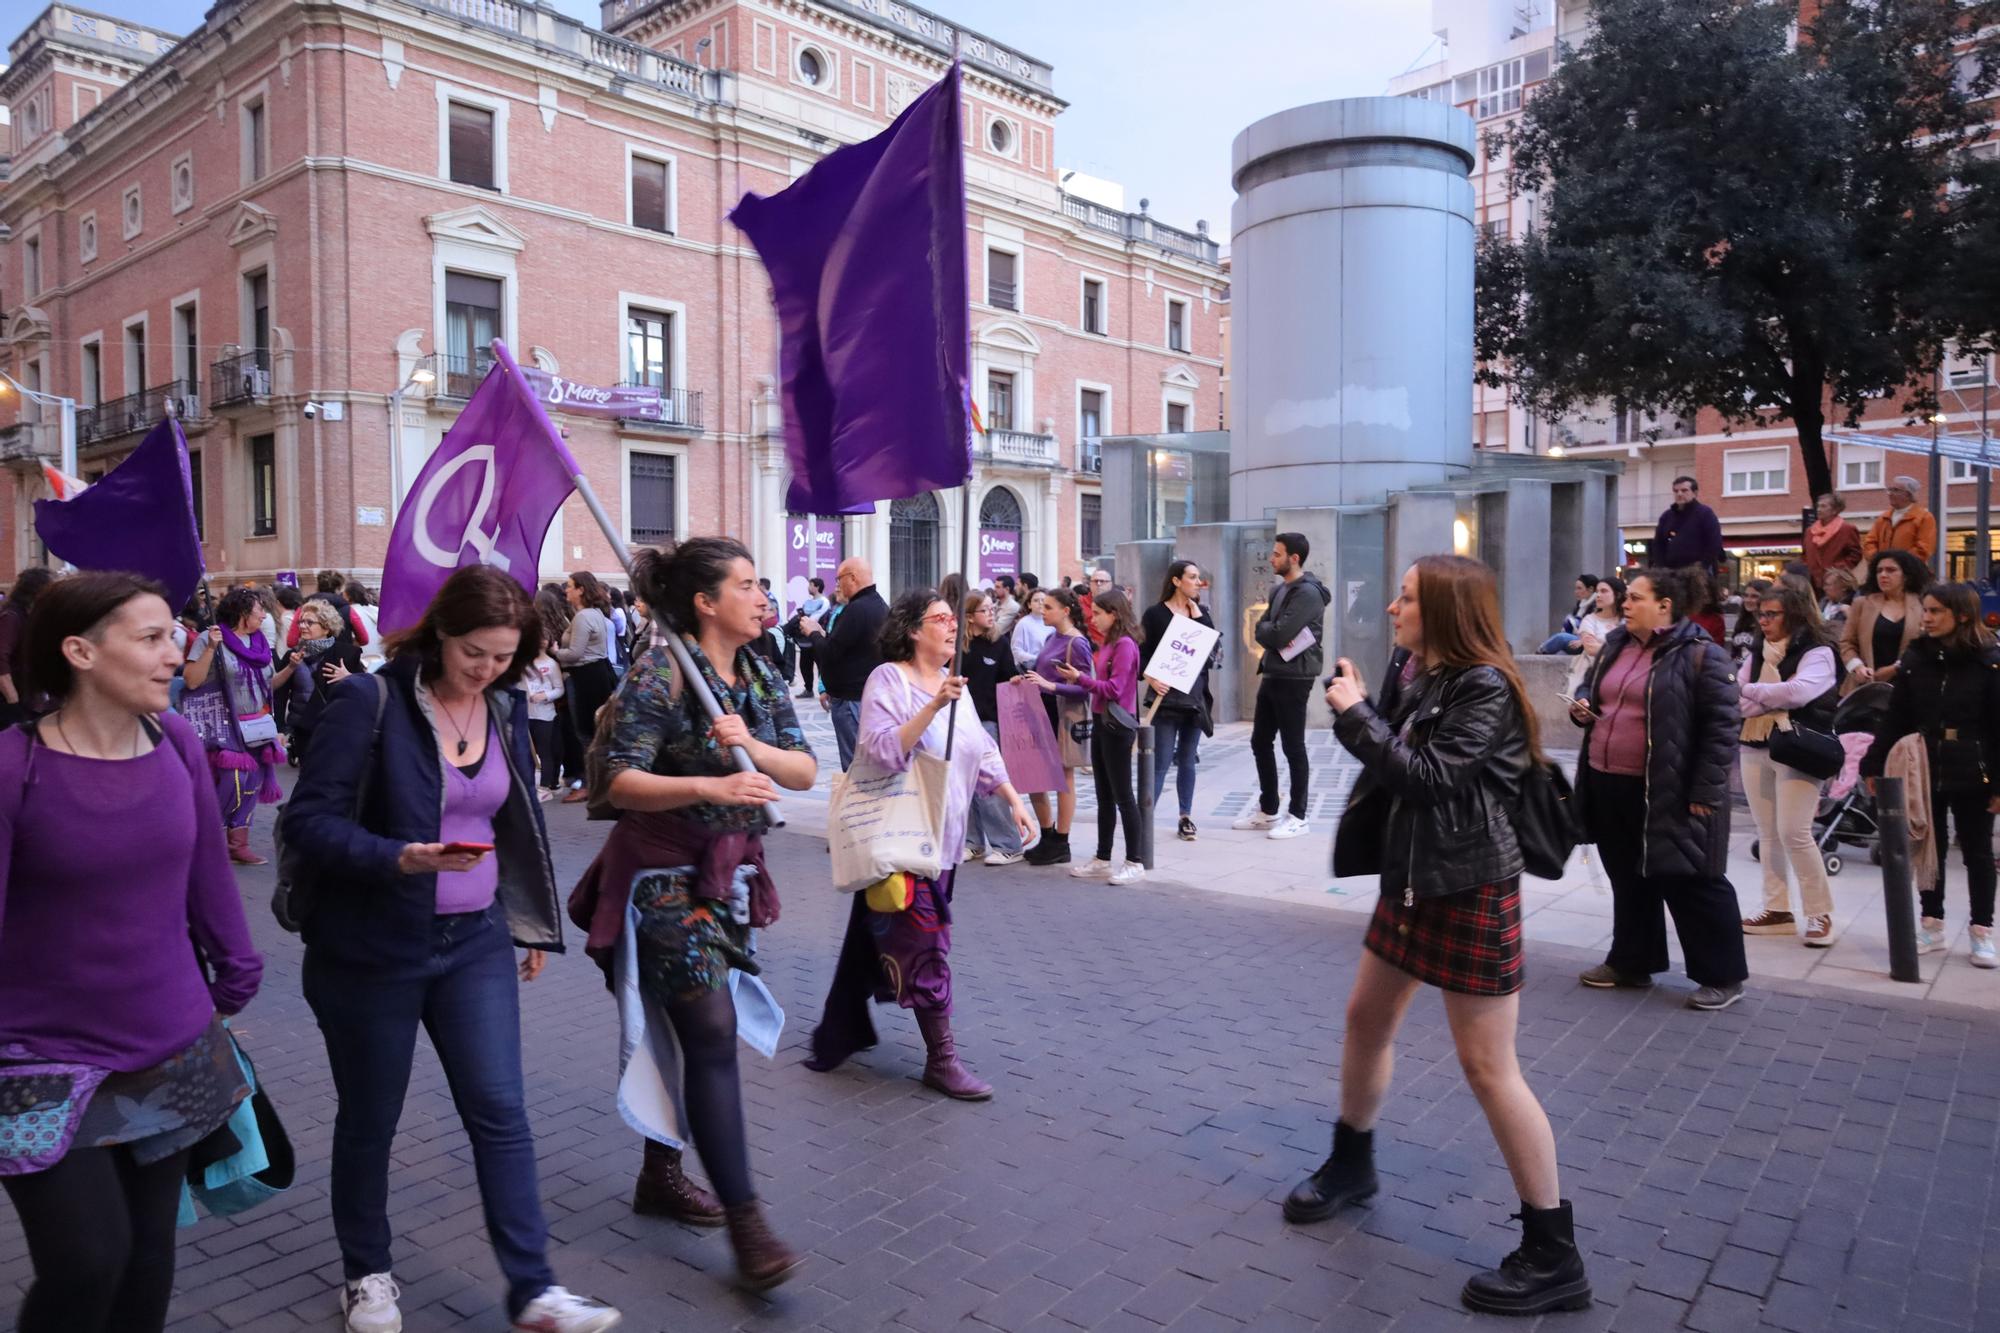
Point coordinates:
[(463, 743)]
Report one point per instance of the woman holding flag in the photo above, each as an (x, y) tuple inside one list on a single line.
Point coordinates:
[(232, 710), (672, 901)]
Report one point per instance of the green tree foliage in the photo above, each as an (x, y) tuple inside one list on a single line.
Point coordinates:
[(1775, 223)]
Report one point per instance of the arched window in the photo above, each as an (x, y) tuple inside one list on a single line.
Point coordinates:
[(999, 534), (913, 543), (1000, 509)]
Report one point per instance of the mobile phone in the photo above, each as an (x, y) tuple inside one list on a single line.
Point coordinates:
[(1573, 701), (1338, 672), (467, 848)]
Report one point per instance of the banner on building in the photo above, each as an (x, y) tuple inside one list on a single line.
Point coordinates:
[(813, 549), (137, 518), (638, 402), (999, 553)]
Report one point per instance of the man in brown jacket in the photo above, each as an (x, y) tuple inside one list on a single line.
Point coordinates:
[(1908, 526)]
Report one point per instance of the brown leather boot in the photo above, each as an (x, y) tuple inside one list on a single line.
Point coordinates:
[(239, 849), (942, 1069), (664, 1190), (762, 1260)]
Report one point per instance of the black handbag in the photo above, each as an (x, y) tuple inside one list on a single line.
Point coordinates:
[(1546, 829), (1119, 722), (1817, 754)]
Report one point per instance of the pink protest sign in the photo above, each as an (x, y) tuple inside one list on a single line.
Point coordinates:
[(1027, 739)]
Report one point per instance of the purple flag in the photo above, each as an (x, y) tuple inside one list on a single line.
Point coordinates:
[(139, 518), (487, 496), (866, 254)]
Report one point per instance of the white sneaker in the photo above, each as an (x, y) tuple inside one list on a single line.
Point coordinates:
[(996, 857), (1982, 947), (558, 1311), (1289, 826), (1255, 819), (1129, 873), (370, 1305), (973, 853), (1930, 935), (1094, 868)]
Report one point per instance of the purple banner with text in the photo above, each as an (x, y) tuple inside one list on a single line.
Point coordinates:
[(999, 553), (812, 549), (637, 401)]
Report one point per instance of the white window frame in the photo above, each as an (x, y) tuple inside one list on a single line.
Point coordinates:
[(647, 153), (1861, 460), (93, 339), (130, 367), (627, 446), (132, 221), (1730, 466), (1020, 388), (1103, 303), (1957, 470), (257, 97), (1082, 491), (86, 238), (1187, 326), (193, 375), (830, 60), (447, 93), (1012, 152), (676, 352), (1104, 392), (175, 201), (32, 242), (1019, 251)]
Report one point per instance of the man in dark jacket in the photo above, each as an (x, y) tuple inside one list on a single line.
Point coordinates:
[(849, 653), (1290, 632), (1689, 533)]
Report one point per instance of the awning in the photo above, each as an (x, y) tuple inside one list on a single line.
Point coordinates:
[(1973, 448)]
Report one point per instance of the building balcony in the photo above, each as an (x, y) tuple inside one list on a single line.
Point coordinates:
[(137, 412), (456, 376), (680, 411), (1017, 448), (1090, 455), (240, 379), (629, 61), (30, 441), (1143, 229)]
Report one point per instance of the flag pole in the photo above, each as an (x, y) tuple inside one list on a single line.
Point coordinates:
[(965, 576), (675, 644)]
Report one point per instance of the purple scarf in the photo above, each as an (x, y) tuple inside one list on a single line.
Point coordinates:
[(256, 655), (256, 652)]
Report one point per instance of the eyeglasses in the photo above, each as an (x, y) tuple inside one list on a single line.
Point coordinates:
[(941, 618), (1769, 615)]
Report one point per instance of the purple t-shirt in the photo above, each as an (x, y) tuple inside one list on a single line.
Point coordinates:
[(470, 803)]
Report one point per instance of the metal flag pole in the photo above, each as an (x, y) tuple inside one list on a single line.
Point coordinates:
[(1982, 557), (675, 644), (965, 577)]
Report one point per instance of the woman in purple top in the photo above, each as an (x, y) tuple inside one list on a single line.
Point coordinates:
[(113, 1062), (902, 954), (1069, 704), (430, 879), (1116, 685), (233, 711)]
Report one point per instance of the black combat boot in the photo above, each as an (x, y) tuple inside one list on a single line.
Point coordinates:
[(1348, 1176), (1546, 1273)]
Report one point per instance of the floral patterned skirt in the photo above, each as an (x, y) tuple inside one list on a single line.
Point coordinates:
[(174, 1105), (686, 944)]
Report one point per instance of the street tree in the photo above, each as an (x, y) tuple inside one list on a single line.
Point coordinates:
[(1748, 210)]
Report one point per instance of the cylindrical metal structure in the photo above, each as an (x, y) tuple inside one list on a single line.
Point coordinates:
[(1892, 826), (1143, 752), (1351, 288)]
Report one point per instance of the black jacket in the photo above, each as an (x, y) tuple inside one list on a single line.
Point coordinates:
[(368, 914), (1153, 626), (848, 654), (1692, 727), (1449, 783), (1953, 701), (987, 663), (1293, 606)]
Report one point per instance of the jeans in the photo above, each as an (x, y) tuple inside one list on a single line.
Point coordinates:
[(991, 825), (1783, 802), (1974, 823), (1111, 771), (1562, 641), (100, 1234), (467, 997), (846, 729), (548, 749), (1706, 917), (1176, 743), (1281, 711)]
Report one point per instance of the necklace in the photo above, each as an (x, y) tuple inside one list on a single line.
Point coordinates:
[(71, 745), (463, 743)]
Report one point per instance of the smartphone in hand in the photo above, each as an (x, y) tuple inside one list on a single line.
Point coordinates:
[(467, 848)]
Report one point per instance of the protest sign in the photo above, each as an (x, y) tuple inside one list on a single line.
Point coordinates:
[(1183, 653), (1028, 739)]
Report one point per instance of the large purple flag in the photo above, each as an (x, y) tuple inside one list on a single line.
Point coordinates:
[(139, 518), (866, 254), (487, 496)]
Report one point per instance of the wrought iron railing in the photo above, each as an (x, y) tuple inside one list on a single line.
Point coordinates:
[(680, 409), (240, 378), (457, 376), (1089, 455), (1002, 295), (138, 411)]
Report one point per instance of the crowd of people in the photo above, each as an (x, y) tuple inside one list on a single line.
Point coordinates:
[(427, 756)]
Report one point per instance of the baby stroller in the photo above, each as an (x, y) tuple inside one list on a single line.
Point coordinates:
[(1846, 812)]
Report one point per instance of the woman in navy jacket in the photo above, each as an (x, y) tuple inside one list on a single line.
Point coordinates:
[(415, 923)]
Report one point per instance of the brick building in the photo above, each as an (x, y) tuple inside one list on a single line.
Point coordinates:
[(335, 207)]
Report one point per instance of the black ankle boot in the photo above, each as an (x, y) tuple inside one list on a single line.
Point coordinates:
[(1348, 1176), (1546, 1273), (1052, 850)]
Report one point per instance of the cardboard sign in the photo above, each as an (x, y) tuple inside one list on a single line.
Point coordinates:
[(1027, 740), (1183, 654)]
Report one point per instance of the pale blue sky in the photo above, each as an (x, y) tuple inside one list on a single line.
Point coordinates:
[(1157, 88)]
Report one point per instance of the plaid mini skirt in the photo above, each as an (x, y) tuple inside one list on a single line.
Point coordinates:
[(1466, 942)]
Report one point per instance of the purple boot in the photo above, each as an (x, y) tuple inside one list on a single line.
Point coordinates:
[(942, 1069)]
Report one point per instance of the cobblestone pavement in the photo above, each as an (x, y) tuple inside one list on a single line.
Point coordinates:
[(1810, 1159)]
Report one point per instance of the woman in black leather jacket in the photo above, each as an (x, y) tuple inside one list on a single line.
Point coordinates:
[(1433, 815), (1661, 723)]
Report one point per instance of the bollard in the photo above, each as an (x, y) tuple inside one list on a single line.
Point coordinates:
[(1898, 902), (1144, 853)]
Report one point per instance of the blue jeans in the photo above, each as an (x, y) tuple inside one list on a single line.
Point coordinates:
[(991, 825), (1176, 741), (846, 728), (467, 997), (1562, 641)]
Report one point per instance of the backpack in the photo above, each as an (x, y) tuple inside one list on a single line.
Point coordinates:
[(298, 881)]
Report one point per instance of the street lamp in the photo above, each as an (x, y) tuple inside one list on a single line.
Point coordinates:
[(68, 406), (422, 375)]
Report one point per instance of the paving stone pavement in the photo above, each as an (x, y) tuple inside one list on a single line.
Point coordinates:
[(1164, 1060)]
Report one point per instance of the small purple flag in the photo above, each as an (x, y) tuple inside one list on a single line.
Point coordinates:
[(866, 254), (487, 496), (139, 518)]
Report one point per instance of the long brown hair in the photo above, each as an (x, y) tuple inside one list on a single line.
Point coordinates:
[(477, 597), (1124, 625), (1969, 635), (1460, 606)]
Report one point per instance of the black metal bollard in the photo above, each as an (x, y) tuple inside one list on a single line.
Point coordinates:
[(1898, 902), (1144, 852)]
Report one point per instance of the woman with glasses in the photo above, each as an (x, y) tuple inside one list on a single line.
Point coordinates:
[(898, 940)]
